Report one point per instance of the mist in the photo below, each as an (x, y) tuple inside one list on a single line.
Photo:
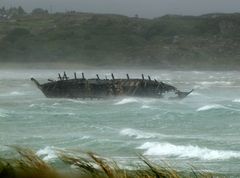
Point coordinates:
[(144, 8)]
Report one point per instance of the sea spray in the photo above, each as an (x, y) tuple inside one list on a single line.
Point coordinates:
[(186, 151)]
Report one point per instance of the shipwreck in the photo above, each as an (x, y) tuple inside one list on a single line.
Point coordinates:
[(64, 87)]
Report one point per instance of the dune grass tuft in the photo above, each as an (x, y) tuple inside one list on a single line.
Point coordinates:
[(29, 165)]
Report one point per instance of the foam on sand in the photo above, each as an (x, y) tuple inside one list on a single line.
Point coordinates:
[(187, 151)]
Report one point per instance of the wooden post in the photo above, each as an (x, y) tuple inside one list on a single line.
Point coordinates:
[(98, 77), (65, 75), (149, 78), (142, 76), (113, 77), (83, 76), (75, 75), (128, 77), (59, 76)]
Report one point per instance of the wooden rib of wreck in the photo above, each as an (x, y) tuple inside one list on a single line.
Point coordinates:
[(104, 88)]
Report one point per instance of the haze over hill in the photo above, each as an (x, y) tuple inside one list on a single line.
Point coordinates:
[(144, 8), (205, 42)]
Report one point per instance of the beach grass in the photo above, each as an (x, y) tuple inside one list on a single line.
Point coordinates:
[(28, 165)]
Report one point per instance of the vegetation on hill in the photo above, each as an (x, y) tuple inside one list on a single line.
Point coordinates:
[(207, 41)]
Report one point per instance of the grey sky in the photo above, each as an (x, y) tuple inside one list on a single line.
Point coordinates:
[(144, 8)]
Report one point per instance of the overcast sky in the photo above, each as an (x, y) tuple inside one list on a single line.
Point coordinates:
[(144, 8)]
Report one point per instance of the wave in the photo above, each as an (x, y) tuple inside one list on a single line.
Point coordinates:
[(16, 93), (215, 83), (194, 94), (210, 107), (145, 107), (48, 154), (76, 101), (32, 105), (215, 106), (137, 133), (189, 151), (126, 101), (3, 114), (236, 100)]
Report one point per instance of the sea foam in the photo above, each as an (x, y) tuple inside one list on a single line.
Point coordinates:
[(215, 83), (16, 93), (126, 101), (137, 133), (189, 151), (2, 113), (210, 107), (48, 153), (236, 100), (145, 107)]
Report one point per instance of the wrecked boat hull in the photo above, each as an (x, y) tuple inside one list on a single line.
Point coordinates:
[(105, 88)]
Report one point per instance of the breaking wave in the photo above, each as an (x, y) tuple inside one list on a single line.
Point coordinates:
[(145, 107), (2, 113), (194, 94), (216, 106), (48, 154), (76, 101), (126, 101), (137, 133), (189, 151), (16, 93), (210, 107), (215, 83), (236, 100)]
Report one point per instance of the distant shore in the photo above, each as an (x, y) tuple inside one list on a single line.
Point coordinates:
[(206, 42)]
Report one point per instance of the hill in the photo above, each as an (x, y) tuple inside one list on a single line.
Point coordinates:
[(209, 41)]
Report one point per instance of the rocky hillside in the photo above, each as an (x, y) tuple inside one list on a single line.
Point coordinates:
[(206, 42)]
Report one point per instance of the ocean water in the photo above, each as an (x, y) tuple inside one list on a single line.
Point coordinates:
[(201, 130)]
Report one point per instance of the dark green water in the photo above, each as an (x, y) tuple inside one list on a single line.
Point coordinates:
[(201, 130)]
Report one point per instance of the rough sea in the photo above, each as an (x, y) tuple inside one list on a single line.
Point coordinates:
[(202, 130)]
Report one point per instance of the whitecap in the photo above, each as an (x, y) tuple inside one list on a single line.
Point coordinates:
[(210, 107), (85, 137), (189, 151), (16, 93), (137, 133), (215, 83), (236, 100), (32, 105), (126, 101), (194, 94), (76, 101), (56, 104), (3, 115), (145, 107), (48, 154)]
